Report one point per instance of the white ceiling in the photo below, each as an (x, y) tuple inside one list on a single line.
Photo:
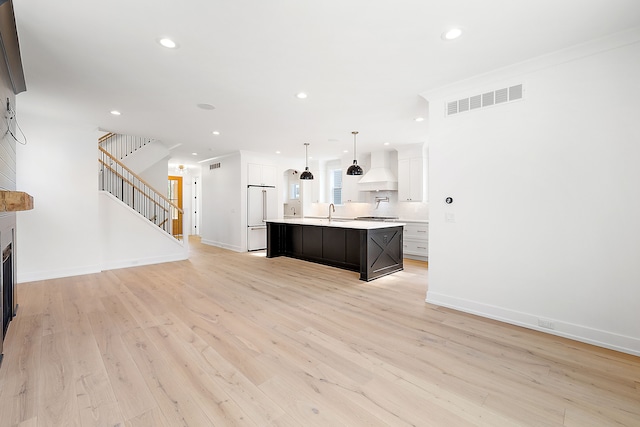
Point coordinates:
[(363, 64)]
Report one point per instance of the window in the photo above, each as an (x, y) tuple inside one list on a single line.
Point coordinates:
[(335, 185), (294, 192)]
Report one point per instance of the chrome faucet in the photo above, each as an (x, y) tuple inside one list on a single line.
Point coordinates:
[(331, 208), (293, 208)]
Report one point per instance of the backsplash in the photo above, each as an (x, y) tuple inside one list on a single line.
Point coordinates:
[(404, 210)]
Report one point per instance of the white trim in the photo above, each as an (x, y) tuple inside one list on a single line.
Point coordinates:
[(572, 331), (143, 261), (222, 245), (56, 274)]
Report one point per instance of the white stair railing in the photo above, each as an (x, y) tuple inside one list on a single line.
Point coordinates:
[(122, 146)]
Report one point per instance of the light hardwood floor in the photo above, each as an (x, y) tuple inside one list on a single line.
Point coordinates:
[(238, 339)]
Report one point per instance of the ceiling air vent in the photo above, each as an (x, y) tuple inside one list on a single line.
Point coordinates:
[(214, 166), (476, 101), (502, 95), (487, 99), (452, 108)]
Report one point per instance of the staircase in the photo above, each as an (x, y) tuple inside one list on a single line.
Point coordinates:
[(123, 183), (122, 146)]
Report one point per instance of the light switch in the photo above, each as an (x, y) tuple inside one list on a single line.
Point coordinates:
[(449, 217)]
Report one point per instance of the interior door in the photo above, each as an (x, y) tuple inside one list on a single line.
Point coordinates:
[(174, 194)]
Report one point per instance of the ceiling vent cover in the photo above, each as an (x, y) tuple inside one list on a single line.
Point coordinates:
[(487, 99), (214, 166)]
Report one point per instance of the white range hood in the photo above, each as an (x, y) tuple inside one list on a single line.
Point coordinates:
[(379, 177)]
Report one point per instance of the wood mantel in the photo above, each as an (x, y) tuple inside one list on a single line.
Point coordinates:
[(12, 201)]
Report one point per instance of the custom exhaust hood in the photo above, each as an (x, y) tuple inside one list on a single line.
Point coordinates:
[(380, 177)]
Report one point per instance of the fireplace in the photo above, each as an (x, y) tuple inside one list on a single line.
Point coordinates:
[(7, 288)]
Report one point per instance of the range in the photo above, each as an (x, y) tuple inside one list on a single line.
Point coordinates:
[(375, 218)]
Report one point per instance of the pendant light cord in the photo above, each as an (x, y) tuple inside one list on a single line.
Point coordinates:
[(354, 144)]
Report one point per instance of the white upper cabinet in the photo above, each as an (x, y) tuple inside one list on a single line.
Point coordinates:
[(412, 176), (261, 174), (350, 189)]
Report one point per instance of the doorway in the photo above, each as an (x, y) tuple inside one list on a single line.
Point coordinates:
[(174, 193)]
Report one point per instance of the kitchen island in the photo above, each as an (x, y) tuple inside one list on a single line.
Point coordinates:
[(372, 248)]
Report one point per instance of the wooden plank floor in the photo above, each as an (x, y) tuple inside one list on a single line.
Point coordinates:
[(228, 339)]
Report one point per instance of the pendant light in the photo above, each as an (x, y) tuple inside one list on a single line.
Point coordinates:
[(354, 169), (306, 174)]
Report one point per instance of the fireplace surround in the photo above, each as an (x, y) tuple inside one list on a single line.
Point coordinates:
[(7, 284), (7, 288)]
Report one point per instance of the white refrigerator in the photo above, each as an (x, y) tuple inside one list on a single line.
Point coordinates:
[(262, 204)]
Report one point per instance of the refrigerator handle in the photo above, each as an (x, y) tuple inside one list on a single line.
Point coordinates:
[(264, 205)]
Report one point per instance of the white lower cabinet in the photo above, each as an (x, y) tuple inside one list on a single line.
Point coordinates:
[(416, 240)]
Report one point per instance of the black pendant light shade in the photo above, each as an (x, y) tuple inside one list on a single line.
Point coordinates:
[(307, 173), (354, 169)]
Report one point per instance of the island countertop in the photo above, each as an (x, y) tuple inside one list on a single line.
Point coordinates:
[(339, 223)]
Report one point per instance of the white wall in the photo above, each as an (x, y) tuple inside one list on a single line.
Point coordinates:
[(143, 161), (222, 216), (58, 167), (129, 239), (224, 196), (67, 233), (546, 196), (156, 176)]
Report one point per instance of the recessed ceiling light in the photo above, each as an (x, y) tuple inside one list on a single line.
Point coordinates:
[(301, 95), (277, 152), (451, 34), (194, 154), (205, 106), (168, 43), (345, 151), (216, 132), (386, 143), (115, 112), (419, 119)]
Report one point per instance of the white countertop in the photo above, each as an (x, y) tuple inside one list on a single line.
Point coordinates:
[(418, 221), (403, 220), (337, 222)]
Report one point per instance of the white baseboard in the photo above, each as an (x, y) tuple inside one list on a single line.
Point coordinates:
[(610, 340), (56, 274), (113, 265), (221, 245), (415, 257)]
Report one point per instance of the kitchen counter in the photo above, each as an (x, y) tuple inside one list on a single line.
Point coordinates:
[(347, 218), (417, 221), (338, 222), (372, 248)]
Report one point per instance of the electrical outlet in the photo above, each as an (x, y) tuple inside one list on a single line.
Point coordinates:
[(545, 323)]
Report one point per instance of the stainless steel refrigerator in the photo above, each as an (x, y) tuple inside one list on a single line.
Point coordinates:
[(262, 204)]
